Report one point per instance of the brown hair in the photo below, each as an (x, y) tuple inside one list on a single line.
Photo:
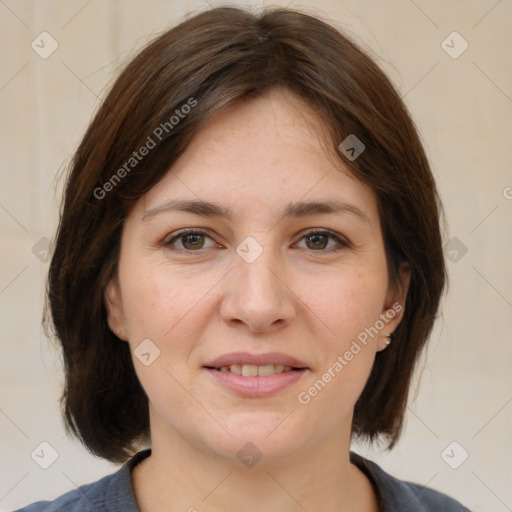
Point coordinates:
[(216, 59)]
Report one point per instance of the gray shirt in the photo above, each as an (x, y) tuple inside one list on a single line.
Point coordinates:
[(114, 493)]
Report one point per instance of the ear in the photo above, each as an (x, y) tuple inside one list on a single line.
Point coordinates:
[(114, 308), (394, 305)]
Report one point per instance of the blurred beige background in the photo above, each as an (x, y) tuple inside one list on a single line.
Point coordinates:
[(461, 99)]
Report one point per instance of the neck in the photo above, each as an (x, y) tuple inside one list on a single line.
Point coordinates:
[(178, 476)]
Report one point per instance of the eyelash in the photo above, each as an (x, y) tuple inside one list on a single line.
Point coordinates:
[(191, 231)]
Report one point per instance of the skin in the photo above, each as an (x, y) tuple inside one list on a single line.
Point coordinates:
[(203, 300)]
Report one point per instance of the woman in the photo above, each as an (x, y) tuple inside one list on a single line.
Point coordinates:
[(248, 266)]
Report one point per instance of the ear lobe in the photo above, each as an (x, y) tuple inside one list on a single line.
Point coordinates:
[(114, 309)]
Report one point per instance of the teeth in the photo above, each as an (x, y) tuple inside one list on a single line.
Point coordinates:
[(269, 369), (236, 368), (251, 370)]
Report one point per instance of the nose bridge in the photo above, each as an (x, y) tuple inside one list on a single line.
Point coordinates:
[(258, 267), (257, 294)]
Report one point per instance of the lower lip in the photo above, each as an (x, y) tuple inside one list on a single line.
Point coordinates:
[(256, 387)]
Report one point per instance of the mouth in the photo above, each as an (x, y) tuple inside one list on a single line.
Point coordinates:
[(256, 375), (251, 370)]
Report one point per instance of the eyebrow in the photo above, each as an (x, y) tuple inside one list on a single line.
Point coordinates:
[(293, 210)]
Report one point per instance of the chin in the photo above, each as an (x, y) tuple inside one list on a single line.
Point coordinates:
[(259, 438)]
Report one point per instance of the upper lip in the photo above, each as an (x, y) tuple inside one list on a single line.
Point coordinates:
[(256, 359)]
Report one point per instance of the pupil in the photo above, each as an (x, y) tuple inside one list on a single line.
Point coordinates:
[(315, 238), (194, 239)]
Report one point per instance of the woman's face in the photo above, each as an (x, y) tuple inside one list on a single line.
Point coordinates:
[(252, 287)]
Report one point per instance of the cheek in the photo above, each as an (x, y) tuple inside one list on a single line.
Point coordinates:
[(158, 300), (347, 304), (347, 308), (164, 307)]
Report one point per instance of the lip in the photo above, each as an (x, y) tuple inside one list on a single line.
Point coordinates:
[(256, 387), (257, 360)]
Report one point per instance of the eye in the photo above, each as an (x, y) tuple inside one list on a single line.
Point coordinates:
[(318, 240), (193, 240), (190, 240)]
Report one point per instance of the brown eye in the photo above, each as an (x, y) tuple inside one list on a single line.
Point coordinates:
[(193, 241), (319, 240), (188, 240)]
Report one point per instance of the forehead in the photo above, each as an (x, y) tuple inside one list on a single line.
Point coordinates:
[(259, 156)]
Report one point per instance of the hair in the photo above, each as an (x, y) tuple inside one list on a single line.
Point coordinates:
[(212, 61)]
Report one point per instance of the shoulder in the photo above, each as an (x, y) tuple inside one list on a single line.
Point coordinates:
[(426, 499), (112, 493), (397, 495), (85, 498)]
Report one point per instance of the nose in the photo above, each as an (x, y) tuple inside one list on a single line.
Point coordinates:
[(258, 295)]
